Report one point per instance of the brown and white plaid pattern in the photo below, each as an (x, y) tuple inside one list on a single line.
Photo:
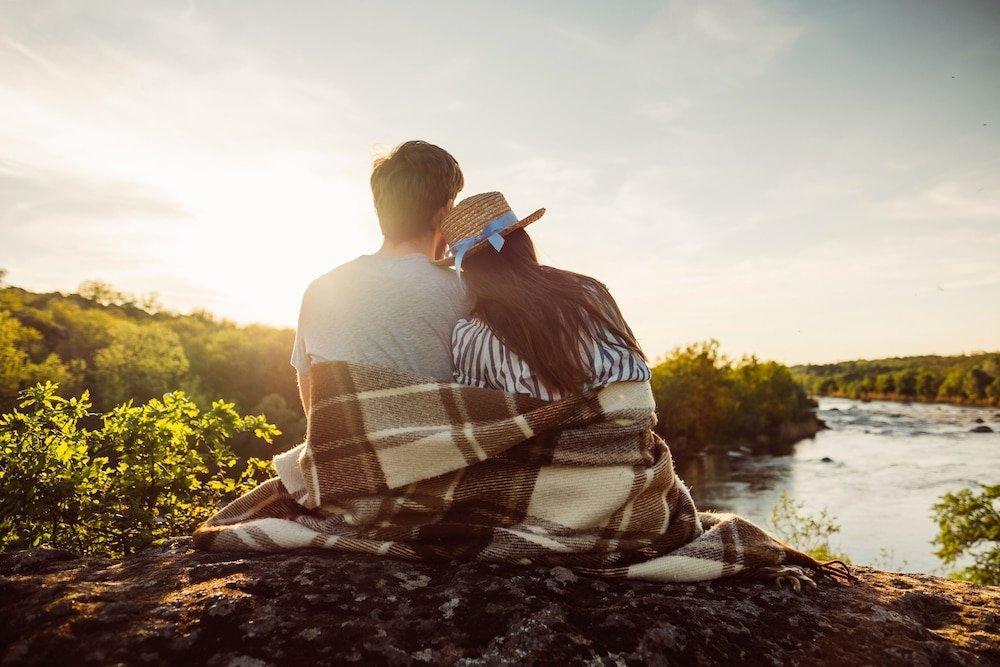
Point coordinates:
[(404, 466)]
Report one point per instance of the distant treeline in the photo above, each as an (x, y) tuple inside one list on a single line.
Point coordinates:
[(972, 379), (120, 348)]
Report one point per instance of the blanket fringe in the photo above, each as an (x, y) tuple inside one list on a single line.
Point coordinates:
[(800, 576), (837, 570), (794, 576)]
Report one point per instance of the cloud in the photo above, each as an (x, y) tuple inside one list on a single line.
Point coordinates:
[(713, 43), (33, 194), (962, 198), (665, 110), (691, 52)]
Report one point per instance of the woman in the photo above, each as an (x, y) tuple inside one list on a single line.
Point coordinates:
[(534, 329)]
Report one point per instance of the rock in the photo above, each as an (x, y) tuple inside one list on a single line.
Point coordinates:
[(981, 429), (979, 420), (826, 459), (173, 605)]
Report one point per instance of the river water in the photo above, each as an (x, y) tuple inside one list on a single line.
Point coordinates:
[(887, 464)]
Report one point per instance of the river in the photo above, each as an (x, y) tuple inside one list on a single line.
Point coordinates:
[(886, 464)]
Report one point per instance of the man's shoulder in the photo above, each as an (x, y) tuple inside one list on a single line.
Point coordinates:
[(408, 265), (377, 275), (336, 274)]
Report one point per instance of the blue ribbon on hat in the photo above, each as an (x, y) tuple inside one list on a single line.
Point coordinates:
[(491, 233)]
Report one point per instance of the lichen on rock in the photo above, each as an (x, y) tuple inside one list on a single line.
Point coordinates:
[(173, 605)]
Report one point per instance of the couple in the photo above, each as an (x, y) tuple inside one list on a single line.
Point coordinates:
[(504, 322), (499, 411)]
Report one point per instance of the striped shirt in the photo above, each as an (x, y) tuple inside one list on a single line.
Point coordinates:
[(481, 360)]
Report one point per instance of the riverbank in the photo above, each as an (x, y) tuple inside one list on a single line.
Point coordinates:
[(900, 398), (965, 379), (877, 470)]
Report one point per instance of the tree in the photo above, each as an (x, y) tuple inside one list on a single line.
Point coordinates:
[(14, 361), (993, 391), (102, 293), (143, 362), (693, 394), (975, 383), (885, 384), (906, 383), (246, 364), (962, 378), (927, 384), (77, 332), (969, 525), (767, 397), (953, 385), (17, 370)]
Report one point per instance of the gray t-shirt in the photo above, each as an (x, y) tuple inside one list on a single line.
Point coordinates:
[(397, 312)]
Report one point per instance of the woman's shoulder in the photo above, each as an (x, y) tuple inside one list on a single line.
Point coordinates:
[(471, 323), (468, 329)]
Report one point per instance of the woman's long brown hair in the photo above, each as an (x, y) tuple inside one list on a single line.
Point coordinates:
[(543, 314)]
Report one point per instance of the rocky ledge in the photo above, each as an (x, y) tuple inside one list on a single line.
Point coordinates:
[(174, 605)]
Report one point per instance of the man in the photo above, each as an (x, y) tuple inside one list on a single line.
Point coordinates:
[(393, 308)]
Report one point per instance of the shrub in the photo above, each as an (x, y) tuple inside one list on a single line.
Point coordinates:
[(693, 393), (703, 399), (114, 483), (969, 525), (809, 534)]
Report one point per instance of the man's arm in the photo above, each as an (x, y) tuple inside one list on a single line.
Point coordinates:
[(304, 388)]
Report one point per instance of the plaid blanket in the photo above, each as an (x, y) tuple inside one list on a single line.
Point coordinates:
[(399, 465)]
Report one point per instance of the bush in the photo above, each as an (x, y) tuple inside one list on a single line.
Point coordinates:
[(702, 399), (693, 393), (810, 535), (114, 483), (969, 525)]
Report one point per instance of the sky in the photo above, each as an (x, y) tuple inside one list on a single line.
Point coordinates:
[(807, 182)]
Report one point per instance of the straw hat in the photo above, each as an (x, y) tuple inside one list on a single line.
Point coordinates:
[(475, 222)]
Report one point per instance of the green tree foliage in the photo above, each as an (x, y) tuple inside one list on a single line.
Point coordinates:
[(704, 399), (142, 362), (927, 384), (972, 379), (247, 363), (18, 344), (969, 526), (15, 338), (993, 391), (906, 383), (975, 382), (104, 341), (885, 383), (693, 393), (138, 475), (121, 347)]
